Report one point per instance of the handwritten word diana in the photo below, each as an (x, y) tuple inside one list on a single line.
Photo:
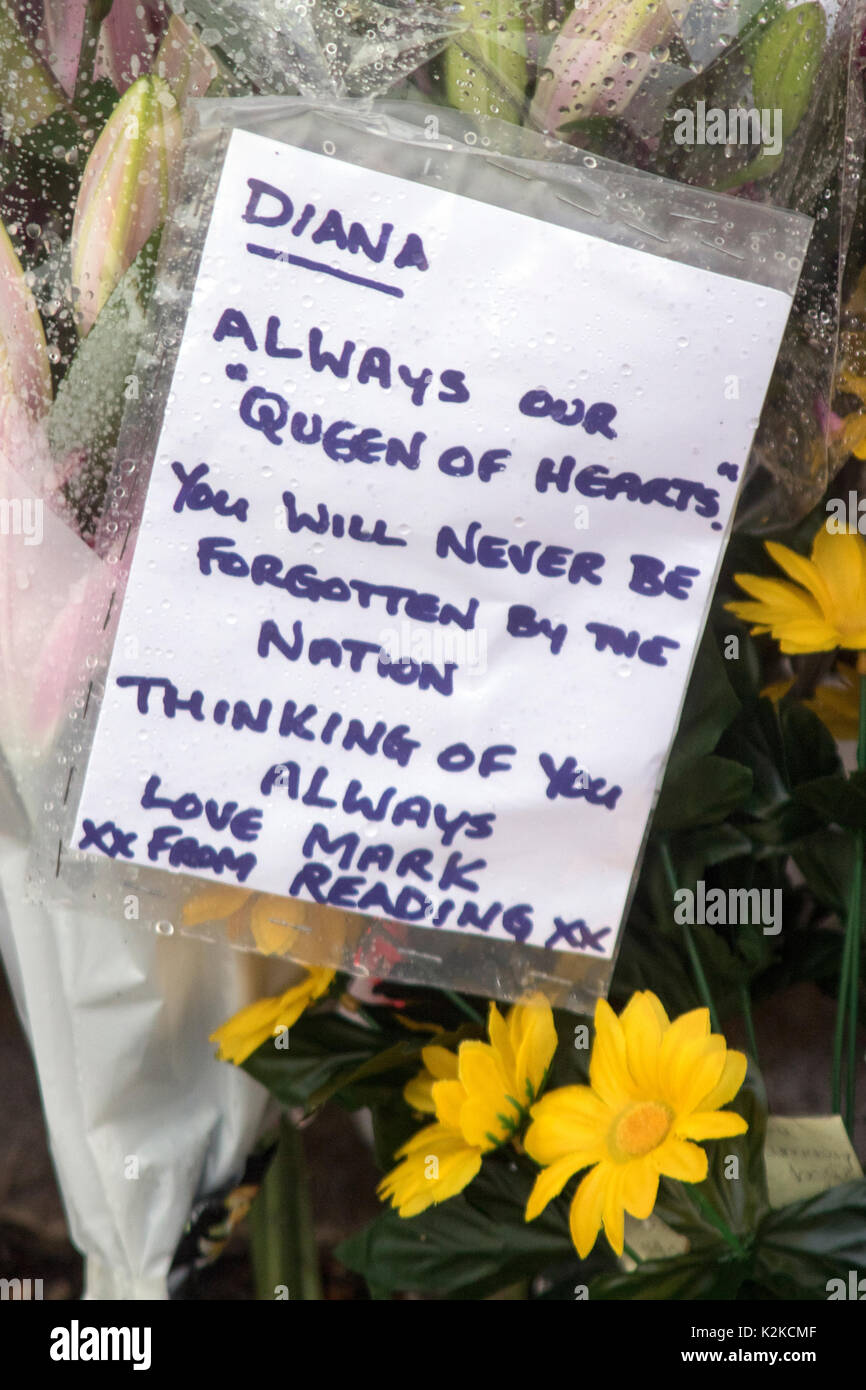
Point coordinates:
[(269, 206)]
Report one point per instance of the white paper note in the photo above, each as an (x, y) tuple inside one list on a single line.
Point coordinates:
[(427, 549)]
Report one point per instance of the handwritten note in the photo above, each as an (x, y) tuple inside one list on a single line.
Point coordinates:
[(806, 1156), (431, 531)]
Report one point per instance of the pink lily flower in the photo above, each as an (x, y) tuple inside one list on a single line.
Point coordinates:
[(25, 374), (62, 32), (599, 59), (124, 192), (129, 39)]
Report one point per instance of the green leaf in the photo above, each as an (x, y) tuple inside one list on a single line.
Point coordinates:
[(283, 1243), (403, 1056), (810, 748), (784, 68), (756, 741), (458, 1249), (321, 1046), (692, 1276), (393, 1124), (95, 101), (702, 792), (802, 1246), (838, 800), (710, 704), (826, 861), (330, 1057), (88, 407), (786, 61), (694, 851)]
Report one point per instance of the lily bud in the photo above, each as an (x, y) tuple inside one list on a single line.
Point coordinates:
[(124, 192), (25, 375), (599, 59), (485, 68)]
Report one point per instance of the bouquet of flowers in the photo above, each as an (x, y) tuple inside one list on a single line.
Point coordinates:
[(527, 1152)]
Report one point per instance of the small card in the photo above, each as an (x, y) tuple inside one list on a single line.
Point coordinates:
[(428, 545)]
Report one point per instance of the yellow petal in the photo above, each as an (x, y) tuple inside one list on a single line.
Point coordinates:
[(437, 1165), (533, 1036), (729, 1083), (613, 1211), (694, 1072), (841, 559), (608, 1067), (500, 1039), (586, 1209), (552, 1180), (422, 1139), (677, 1158), (487, 1111), (440, 1062), (804, 571), (448, 1100), (711, 1124), (640, 1187), (568, 1119), (250, 1027), (689, 1027), (643, 1035), (418, 1093), (780, 600)]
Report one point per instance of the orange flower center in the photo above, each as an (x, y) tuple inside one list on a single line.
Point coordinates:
[(639, 1129)]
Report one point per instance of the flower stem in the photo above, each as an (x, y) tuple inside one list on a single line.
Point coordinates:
[(718, 1222), (751, 1040), (691, 948), (632, 1254), (849, 973), (839, 1031), (461, 1004)]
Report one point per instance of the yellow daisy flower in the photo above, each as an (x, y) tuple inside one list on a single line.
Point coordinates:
[(655, 1086), (825, 608), (239, 1037), (478, 1107)]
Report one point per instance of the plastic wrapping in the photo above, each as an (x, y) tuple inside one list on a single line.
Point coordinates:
[(490, 162)]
